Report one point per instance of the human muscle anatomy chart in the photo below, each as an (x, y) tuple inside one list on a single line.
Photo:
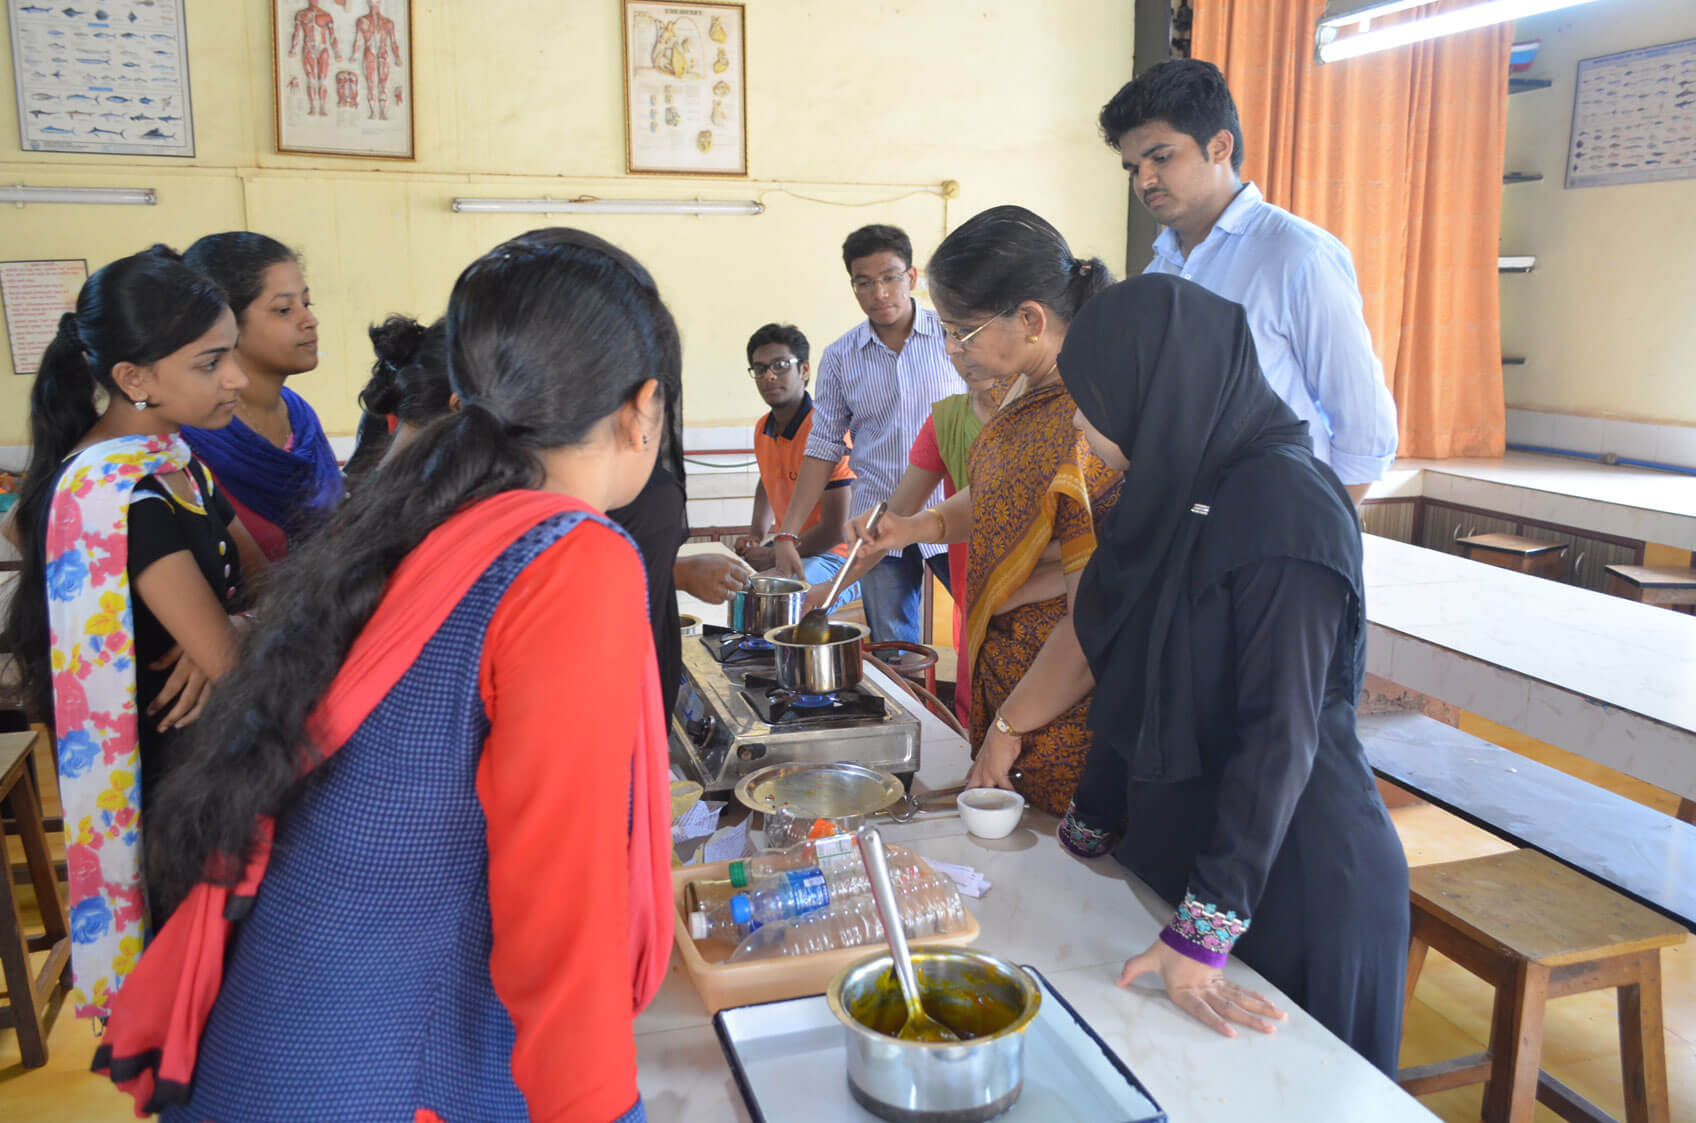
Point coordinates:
[(370, 113), (376, 32), (685, 82), (102, 78), (314, 40)]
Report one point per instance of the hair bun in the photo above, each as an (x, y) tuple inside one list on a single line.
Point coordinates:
[(68, 327), (162, 251)]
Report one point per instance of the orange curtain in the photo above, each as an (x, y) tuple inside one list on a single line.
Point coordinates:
[(1399, 154)]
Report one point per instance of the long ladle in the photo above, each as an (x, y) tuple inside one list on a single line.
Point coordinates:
[(920, 1026), (814, 627)]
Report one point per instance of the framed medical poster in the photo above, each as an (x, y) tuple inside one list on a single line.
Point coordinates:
[(342, 74), (685, 89), (102, 79)]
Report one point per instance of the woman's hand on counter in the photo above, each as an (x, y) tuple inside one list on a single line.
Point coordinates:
[(1202, 991), (713, 578), (995, 760)]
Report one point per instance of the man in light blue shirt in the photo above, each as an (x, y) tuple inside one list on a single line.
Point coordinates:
[(876, 386), (1175, 128)]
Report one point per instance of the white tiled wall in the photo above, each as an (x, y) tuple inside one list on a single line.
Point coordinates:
[(1628, 440)]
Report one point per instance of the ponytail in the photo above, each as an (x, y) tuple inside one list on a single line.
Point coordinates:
[(137, 309), (1088, 277), (548, 335)]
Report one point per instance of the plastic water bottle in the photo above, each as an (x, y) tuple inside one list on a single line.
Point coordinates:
[(792, 893), (932, 910), (801, 856), (774, 899)]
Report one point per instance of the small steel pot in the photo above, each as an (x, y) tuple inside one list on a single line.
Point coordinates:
[(688, 625), (819, 668), (921, 1082), (766, 603)]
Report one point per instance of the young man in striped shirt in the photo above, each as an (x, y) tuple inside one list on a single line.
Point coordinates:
[(877, 384)]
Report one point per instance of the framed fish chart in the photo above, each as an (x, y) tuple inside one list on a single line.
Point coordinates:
[(342, 77), (1634, 117), (102, 76), (685, 89)]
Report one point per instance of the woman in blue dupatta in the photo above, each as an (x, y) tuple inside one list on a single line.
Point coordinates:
[(274, 460)]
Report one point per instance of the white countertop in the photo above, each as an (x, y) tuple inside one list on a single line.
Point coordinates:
[(1635, 503), (1076, 922), (1601, 676)]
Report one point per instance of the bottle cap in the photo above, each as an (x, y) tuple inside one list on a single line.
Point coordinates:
[(739, 875), (698, 925), (740, 910)]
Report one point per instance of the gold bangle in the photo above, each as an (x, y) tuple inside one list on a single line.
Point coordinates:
[(1002, 726), (941, 519)]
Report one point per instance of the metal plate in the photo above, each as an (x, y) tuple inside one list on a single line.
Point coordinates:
[(819, 791), (790, 1062)]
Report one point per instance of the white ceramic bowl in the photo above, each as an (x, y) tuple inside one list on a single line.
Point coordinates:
[(990, 812)]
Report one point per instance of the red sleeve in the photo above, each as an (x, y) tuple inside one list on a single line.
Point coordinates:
[(925, 453), (561, 682)]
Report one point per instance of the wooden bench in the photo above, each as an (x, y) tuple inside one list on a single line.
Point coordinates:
[(1645, 855), (1516, 552), (30, 1007), (1667, 585), (1535, 930)]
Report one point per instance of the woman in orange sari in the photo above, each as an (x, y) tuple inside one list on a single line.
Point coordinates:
[(1007, 285)]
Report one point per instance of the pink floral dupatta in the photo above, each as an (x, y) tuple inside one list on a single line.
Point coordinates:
[(91, 620)]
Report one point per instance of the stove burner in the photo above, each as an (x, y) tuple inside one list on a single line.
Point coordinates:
[(779, 706), (732, 648)]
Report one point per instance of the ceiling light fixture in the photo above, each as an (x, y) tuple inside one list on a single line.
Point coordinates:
[(134, 196), (1329, 47)]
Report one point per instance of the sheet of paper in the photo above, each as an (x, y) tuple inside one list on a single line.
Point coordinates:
[(697, 822), (36, 294), (728, 843)]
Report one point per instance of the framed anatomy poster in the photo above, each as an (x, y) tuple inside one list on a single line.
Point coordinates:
[(685, 89), (108, 78), (342, 72)]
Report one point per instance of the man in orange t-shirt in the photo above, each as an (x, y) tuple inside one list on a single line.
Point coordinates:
[(777, 360)]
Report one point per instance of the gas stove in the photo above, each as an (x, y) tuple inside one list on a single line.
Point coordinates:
[(732, 717)]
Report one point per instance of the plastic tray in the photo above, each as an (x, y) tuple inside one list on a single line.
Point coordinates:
[(790, 1062), (741, 984)]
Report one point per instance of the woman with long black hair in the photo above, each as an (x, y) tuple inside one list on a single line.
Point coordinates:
[(121, 617), (449, 719), (1223, 619)]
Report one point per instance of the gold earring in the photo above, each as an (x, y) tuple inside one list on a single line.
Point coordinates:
[(1031, 338)]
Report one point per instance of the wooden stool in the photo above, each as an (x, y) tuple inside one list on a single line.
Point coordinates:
[(1513, 551), (1536, 930), (29, 1007), (1654, 584)]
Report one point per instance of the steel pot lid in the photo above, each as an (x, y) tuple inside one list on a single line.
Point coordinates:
[(819, 791)]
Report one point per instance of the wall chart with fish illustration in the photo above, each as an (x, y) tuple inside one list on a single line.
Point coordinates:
[(1634, 117), (685, 89), (102, 76), (343, 76)]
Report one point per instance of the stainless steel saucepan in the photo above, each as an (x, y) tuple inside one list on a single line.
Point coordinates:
[(766, 603), (819, 668)]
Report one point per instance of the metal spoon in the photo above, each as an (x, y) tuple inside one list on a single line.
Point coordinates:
[(814, 627), (920, 1026)]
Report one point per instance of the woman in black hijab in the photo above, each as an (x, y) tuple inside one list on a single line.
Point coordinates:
[(1222, 616)]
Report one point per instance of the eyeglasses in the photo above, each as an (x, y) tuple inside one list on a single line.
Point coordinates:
[(961, 340), (779, 367), (888, 280)]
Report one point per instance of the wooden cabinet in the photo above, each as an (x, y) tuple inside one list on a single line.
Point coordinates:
[(1440, 526)]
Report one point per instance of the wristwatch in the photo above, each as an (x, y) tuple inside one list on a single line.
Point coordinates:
[(1002, 726)]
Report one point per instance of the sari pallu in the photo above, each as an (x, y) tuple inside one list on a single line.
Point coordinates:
[(1034, 482)]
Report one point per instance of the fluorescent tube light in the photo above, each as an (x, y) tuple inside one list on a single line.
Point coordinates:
[(1329, 48), (589, 205), (136, 196)]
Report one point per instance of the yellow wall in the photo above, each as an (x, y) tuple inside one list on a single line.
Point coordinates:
[(1605, 321), (849, 103)]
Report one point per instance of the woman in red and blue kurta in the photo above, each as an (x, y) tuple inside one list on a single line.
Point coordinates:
[(435, 791)]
